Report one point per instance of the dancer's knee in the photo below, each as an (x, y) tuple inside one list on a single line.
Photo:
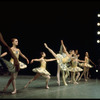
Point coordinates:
[(49, 77)]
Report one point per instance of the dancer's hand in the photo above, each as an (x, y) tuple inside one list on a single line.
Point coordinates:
[(45, 45), (62, 42), (27, 61), (31, 61)]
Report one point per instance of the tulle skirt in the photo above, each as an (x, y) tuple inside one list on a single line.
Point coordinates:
[(75, 69), (63, 66), (11, 68), (85, 65), (41, 71), (21, 64)]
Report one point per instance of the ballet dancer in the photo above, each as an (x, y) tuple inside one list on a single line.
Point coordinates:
[(86, 67), (41, 71), (16, 52), (61, 61), (11, 67)]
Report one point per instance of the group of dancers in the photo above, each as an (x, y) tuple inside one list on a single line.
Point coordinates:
[(68, 63)]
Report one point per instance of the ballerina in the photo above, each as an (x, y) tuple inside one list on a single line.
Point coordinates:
[(74, 68), (86, 66), (11, 67), (78, 73), (41, 71), (62, 61), (16, 52)]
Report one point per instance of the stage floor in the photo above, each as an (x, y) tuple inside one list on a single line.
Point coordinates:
[(36, 90)]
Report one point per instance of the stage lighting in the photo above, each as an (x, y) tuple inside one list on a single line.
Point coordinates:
[(98, 41), (98, 32), (96, 70), (98, 15), (98, 24)]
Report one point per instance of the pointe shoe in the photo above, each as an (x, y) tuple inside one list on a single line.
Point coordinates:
[(85, 80), (47, 87), (14, 92), (65, 84)]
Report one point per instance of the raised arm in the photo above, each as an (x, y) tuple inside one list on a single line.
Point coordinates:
[(22, 55), (50, 50), (64, 48)]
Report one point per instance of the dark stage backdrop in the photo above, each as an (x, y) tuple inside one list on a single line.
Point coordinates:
[(36, 22)]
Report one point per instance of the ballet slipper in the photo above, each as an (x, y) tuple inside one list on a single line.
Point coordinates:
[(65, 84), (14, 92), (47, 87)]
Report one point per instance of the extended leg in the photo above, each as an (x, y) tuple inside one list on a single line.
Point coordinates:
[(35, 77)]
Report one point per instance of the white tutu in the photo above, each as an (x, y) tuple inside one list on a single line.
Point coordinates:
[(41, 71), (61, 65), (85, 65)]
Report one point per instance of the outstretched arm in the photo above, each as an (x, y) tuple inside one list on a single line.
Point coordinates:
[(50, 60), (64, 48), (92, 62), (35, 60), (50, 50), (22, 55)]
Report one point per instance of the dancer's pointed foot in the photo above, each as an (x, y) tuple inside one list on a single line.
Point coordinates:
[(47, 87), (65, 84), (14, 92)]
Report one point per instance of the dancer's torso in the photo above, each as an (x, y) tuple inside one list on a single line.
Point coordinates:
[(16, 52), (74, 63), (87, 60), (43, 64)]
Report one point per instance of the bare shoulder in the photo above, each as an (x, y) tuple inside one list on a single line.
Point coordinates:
[(17, 49), (86, 57)]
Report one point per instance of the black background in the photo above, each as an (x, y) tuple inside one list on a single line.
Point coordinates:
[(36, 22)]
